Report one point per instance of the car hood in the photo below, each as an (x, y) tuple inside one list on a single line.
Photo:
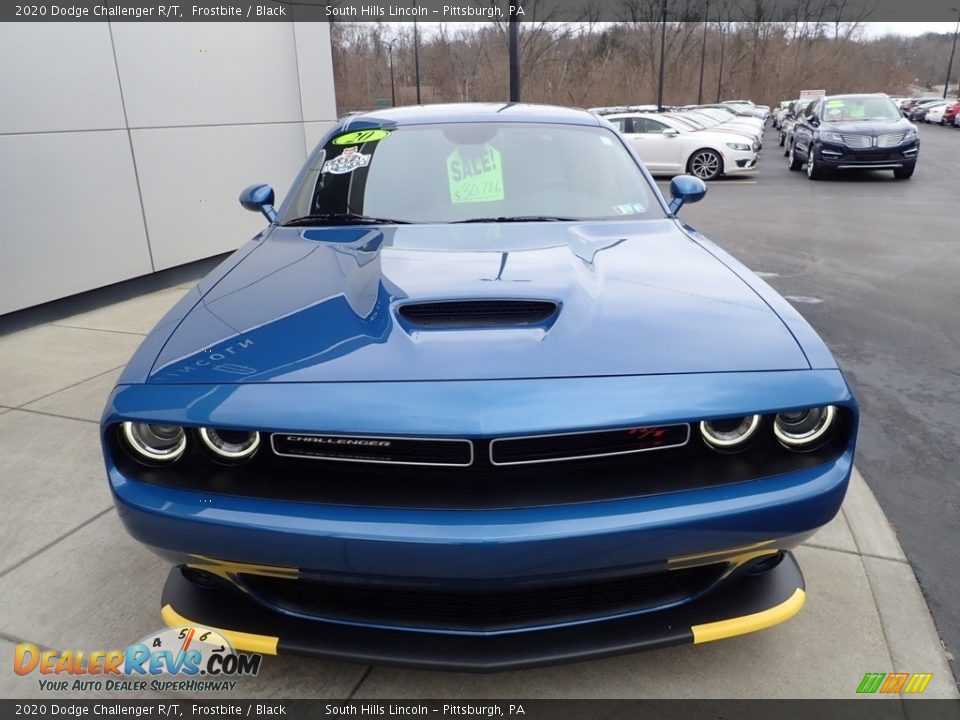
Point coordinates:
[(741, 128), (724, 135), (632, 298)]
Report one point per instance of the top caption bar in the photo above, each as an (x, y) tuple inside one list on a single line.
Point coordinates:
[(790, 11)]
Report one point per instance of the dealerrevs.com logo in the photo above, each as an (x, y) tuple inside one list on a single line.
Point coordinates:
[(180, 659)]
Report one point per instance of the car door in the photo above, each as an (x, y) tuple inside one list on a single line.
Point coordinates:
[(631, 129), (659, 147), (628, 128), (935, 114)]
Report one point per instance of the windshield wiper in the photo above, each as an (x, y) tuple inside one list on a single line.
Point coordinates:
[(343, 218), (518, 218)]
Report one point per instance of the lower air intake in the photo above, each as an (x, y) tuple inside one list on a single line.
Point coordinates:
[(478, 313), (482, 610)]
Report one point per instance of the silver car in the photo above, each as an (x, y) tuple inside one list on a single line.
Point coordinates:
[(788, 119)]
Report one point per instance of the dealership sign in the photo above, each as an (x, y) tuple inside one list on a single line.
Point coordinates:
[(812, 94)]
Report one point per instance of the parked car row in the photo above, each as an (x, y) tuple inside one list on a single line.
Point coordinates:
[(936, 110), (779, 112), (707, 141), (746, 107), (786, 120)]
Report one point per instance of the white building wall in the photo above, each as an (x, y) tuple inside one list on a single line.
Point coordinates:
[(123, 146)]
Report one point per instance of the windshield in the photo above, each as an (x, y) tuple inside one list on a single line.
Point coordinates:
[(684, 121), (721, 115), (478, 171), (672, 122), (859, 107), (703, 119)]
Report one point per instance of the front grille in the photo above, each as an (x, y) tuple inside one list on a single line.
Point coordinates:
[(349, 480), (477, 313), (857, 141), (574, 446), (366, 449), (891, 139), (481, 610)]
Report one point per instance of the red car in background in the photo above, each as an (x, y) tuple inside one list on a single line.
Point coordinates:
[(950, 114)]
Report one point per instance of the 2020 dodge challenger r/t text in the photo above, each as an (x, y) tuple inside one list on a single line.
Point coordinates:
[(477, 399)]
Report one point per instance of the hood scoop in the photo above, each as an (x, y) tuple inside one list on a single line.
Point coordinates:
[(459, 314)]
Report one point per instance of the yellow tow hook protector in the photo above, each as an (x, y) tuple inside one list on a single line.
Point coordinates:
[(247, 642), (708, 632)]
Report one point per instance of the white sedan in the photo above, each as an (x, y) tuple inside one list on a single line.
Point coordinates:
[(666, 149), (935, 114)]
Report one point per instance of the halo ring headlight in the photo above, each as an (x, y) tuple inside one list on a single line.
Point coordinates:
[(154, 442), (729, 438), (232, 445), (801, 429)]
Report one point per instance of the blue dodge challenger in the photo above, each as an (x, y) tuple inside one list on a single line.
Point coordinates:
[(476, 399)]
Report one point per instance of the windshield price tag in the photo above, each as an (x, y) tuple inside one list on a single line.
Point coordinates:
[(360, 137), (475, 175)]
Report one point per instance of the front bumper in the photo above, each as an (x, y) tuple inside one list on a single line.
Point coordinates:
[(741, 605), (490, 550), (737, 161), (841, 157)]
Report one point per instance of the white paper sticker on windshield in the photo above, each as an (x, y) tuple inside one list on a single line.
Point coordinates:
[(346, 162)]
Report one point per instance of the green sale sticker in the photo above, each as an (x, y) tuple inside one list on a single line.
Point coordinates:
[(475, 175)]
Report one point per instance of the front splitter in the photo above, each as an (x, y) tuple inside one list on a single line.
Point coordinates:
[(737, 606)]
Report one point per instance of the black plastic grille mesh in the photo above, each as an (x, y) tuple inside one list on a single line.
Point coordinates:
[(483, 610)]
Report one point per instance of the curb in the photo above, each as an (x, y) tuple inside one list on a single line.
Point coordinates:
[(908, 627)]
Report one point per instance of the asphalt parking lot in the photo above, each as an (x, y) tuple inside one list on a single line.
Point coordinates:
[(866, 259), (873, 264)]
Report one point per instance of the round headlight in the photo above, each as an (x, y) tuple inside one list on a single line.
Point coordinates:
[(730, 433), (230, 444), (153, 442), (800, 429)]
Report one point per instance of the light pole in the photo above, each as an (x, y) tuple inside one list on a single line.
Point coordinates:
[(720, 73), (514, 60), (663, 53), (703, 50), (393, 89), (953, 52), (416, 58)]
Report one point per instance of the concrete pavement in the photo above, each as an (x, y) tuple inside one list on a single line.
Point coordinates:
[(70, 577)]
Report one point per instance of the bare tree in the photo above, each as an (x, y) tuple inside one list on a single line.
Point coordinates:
[(768, 54)]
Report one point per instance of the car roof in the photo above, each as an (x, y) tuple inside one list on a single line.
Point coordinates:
[(474, 112), (638, 113), (847, 95)]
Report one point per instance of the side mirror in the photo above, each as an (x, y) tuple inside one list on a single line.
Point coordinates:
[(671, 132), (259, 198), (686, 189), (813, 120)]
